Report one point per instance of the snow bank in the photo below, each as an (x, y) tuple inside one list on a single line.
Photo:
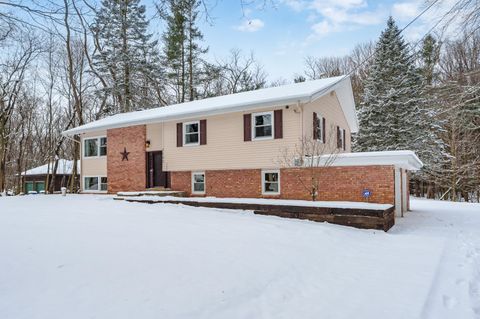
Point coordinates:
[(85, 256)]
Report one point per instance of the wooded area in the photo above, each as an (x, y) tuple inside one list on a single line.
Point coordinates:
[(67, 63)]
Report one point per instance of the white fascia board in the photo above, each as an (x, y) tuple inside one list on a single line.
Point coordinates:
[(344, 91), (400, 159)]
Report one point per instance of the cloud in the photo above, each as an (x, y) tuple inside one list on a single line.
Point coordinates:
[(251, 25), (405, 10), (296, 5)]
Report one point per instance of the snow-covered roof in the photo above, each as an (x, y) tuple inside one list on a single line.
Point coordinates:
[(402, 159), (303, 92), (64, 168)]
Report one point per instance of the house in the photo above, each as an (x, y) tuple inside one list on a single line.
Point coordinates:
[(231, 146), (33, 180)]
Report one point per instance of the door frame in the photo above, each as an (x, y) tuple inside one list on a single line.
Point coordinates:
[(150, 170)]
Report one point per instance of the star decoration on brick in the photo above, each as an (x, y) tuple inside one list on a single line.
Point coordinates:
[(124, 154)]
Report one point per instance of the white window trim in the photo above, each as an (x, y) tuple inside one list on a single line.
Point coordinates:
[(204, 183), (320, 122), (98, 138), (184, 133), (98, 190), (254, 138), (263, 181)]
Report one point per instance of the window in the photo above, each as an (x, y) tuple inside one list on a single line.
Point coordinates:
[(91, 184), (93, 147), (95, 183), (198, 183), (103, 146), (191, 133), (319, 129), (262, 127), (271, 182), (103, 183), (341, 138)]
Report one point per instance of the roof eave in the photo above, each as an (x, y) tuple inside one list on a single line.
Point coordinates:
[(181, 117)]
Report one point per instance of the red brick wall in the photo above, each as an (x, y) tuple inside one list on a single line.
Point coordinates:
[(341, 183), (337, 183), (126, 175), (181, 181)]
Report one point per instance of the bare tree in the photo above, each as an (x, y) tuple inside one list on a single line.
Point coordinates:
[(309, 156), (12, 78)]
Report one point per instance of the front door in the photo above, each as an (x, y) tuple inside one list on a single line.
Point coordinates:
[(156, 177)]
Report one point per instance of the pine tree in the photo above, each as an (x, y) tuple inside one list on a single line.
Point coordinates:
[(127, 54), (183, 53), (393, 113)]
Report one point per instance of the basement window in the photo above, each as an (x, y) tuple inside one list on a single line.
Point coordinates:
[(95, 183), (262, 127), (103, 184), (191, 133), (271, 182), (198, 183)]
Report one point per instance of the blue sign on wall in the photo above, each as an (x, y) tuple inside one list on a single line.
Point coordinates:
[(366, 193)]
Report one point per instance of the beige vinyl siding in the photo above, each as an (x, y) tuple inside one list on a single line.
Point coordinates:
[(328, 107), (225, 148), (95, 166), (155, 136)]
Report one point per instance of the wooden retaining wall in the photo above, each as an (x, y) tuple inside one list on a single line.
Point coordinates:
[(355, 217)]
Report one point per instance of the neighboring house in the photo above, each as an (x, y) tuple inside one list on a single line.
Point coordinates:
[(230, 146), (33, 180)]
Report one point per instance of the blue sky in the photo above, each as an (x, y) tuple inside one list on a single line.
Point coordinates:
[(283, 32)]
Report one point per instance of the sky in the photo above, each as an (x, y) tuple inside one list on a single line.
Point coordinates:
[(281, 33)]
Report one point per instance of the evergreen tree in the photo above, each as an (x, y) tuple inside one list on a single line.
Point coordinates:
[(393, 113), (430, 55), (183, 53), (127, 54)]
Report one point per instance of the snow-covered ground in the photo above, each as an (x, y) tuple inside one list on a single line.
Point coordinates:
[(85, 256)]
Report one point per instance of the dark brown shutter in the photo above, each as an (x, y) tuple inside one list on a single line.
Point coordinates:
[(203, 132), (278, 118), (247, 127), (315, 131), (344, 142), (179, 134), (324, 131), (339, 141)]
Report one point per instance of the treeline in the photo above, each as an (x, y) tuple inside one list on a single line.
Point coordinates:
[(78, 62)]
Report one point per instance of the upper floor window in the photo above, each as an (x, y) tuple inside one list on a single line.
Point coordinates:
[(319, 123), (262, 127), (191, 133), (341, 144), (93, 147)]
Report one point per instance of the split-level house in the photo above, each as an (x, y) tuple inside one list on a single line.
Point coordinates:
[(236, 146)]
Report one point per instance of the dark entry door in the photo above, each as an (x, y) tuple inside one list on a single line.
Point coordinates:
[(156, 177)]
